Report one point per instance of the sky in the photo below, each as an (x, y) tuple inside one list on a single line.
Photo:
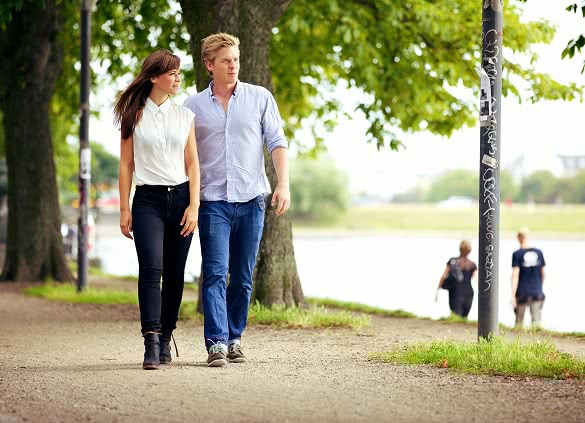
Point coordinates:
[(539, 132)]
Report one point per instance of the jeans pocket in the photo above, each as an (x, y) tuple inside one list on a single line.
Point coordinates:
[(261, 202), (184, 196)]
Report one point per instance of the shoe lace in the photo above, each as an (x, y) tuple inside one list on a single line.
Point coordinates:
[(236, 348), (216, 348), (176, 349)]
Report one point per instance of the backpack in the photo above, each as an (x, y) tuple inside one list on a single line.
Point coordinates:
[(455, 275)]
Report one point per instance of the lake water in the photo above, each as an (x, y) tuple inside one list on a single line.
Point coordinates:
[(400, 272)]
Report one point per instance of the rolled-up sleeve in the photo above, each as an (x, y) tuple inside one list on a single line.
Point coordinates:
[(272, 125)]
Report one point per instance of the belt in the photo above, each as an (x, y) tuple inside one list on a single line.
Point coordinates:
[(162, 188)]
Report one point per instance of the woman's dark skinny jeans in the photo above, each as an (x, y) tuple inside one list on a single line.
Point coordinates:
[(162, 251)]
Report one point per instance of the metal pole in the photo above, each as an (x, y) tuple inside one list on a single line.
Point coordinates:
[(489, 167), (84, 151)]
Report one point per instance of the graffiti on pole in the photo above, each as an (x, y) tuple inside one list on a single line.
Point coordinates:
[(489, 73)]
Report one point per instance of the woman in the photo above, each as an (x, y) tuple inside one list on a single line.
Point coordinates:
[(458, 273), (158, 151)]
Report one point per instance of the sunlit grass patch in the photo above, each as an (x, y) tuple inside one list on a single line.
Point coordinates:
[(312, 317), (536, 330), (66, 292), (359, 307), (539, 358), (188, 311), (455, 318), (97, 271)]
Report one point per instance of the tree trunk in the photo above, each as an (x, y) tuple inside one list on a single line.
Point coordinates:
[(276, 278), (32, 59)]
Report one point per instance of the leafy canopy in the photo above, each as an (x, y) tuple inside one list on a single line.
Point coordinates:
[(415, 63)]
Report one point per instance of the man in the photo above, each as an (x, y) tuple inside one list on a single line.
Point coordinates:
[(527, 279), (233, 120)]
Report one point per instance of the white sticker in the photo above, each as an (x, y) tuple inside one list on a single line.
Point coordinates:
[(489, 161), (485, 99), (85, 163)]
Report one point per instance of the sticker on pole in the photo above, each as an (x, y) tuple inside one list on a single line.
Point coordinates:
[(485, 99), (85, 164), (489, 161)]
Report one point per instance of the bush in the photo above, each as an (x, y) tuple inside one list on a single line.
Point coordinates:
[(318, 190)]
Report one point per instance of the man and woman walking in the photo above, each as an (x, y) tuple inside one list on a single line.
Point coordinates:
[(528, 274), (198, 165)]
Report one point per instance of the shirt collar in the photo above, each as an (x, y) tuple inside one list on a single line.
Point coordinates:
[(164, 108), (236, 89)]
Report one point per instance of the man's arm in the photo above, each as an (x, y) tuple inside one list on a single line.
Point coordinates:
[(281, 194), (278, 148), (542, 274)]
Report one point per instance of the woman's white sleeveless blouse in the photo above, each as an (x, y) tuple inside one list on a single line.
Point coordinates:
[(159, 144)]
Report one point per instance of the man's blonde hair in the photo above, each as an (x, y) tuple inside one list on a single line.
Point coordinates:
[(211, 44)]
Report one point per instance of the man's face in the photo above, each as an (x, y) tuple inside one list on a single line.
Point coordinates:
[(226, 66)]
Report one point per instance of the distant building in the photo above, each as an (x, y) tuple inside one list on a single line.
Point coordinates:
[(572, 164)]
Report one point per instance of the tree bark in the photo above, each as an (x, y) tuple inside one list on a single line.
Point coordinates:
[(276, 277), (32, 60)]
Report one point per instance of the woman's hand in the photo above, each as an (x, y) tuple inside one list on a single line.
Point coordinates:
[(126, 223), (189, 220)]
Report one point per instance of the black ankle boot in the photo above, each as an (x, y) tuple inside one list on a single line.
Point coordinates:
[(165, 348), (151, 351)]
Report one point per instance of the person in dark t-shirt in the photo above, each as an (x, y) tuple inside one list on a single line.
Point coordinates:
[(460, 270), (527, 279)]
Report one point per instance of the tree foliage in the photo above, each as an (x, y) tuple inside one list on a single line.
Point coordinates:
[(319, 190), (414, 61), (577, 44), (541, 186)]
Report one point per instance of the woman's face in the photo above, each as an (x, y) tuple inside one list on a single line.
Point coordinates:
[(168, 82)]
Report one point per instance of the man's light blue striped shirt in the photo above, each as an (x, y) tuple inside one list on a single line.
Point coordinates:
[(231, 144)]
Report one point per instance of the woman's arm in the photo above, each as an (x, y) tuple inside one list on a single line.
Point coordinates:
[(189, 221), (441, 281), (443, 277), (125, 183)]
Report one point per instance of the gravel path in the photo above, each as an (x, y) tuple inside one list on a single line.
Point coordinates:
[(71, 363)]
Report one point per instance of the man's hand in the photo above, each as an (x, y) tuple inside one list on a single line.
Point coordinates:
[(126, 223), (189, 220), (281, 198), (513, 301)]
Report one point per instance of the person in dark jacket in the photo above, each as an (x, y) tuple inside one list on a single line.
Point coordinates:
[(459, 272)]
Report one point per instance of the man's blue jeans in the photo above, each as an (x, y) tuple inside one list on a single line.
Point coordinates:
[(230, 235)]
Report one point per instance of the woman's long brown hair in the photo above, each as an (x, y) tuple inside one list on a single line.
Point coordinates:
[(128, 109)]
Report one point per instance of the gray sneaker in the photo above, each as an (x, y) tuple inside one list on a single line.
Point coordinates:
[(216, 357), (235, 354)]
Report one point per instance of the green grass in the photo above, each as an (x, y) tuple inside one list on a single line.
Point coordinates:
[(293, 317), (568, 220), (358, 307), (455, 318), (312, 317), (187, 311), (97, 271), (452, 318), (68, 293), (534, 330), (495, 357)]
